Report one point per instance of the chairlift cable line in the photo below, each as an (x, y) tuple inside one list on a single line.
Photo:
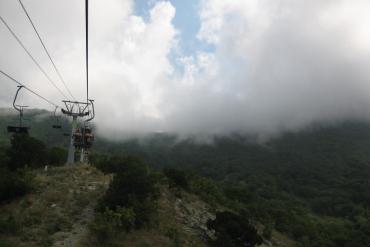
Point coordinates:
[(87, 48), (45, 49), (27, 88), (30, 55)]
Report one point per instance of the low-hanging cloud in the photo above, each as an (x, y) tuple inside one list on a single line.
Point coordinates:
[(275, 65)]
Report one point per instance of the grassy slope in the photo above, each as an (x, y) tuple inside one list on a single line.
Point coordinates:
[(178, 222), (57, 211)]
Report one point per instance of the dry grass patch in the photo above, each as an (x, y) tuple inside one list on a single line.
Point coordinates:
[(61, 195)]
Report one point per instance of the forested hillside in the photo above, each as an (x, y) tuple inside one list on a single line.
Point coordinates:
[(312, 185), (40, 123)]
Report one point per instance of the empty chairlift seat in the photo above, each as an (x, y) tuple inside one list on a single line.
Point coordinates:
[(18, 129), (56, 126)]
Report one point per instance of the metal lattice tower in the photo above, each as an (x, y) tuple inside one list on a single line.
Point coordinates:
[(75, 110)]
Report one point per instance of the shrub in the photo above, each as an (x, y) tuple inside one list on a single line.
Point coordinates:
[(173, 234), (176, 178), (56, 156), (134, 186), (207, 189), (14, 184), (115, 164), (25, 151), (108, 223), (8, 225), (232, 230)]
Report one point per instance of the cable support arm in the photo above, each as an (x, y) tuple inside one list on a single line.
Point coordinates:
[(27, 88)]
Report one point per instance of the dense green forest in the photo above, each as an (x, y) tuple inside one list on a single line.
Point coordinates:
[(312, 185), (40, 123)]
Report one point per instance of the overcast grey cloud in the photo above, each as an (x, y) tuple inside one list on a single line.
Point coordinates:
[(276, 64)]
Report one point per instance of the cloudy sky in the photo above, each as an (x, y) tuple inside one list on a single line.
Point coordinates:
[(197, 66)]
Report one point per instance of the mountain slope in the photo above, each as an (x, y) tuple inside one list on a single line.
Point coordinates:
[(61, 208), (57, 212)]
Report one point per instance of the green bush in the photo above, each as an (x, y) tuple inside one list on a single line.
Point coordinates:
[(232, 230), (14, 184), (133, 186), (173, 234), (9, 225), (7, 243), (56, 156), (25, 151), (115, 164), (207, 189), (110, 222), (176, 178)]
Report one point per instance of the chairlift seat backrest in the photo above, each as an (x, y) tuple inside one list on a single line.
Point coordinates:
[(18, 130), (56, 126)]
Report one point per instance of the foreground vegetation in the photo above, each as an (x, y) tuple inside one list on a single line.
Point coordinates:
[(55, 212), (136, 197), (312, 186), (73, 206), (17, 161)]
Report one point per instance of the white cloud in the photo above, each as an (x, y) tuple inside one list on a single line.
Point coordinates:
[(277, 64), (282, 65), (129, 87)]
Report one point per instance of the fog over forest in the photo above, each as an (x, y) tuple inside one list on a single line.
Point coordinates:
[(260, 66)]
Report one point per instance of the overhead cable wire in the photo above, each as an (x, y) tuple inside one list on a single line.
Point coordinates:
[(33, 59), (46, 50), (30, 90), (87, 48)]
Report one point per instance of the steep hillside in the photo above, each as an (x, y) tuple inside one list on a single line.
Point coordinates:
[(312, 185), (61, 211), (56, 213), (40, 123)]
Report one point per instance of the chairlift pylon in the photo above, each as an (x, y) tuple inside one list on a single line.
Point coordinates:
[(83, 137), (18, 129)]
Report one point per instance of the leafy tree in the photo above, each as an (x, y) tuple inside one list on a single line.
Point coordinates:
[(56, 156), (25, 151), (116, 164), (176, 178), (207, 189), (133, 186), (109, 222), (232, 230), (13, 184)]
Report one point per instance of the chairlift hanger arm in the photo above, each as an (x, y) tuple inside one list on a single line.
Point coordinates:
[(80, 108), (15, 99), (55, 111), (93, 111)]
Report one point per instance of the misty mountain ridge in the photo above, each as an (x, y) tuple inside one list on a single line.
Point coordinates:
[(43, 118), (310, 185)]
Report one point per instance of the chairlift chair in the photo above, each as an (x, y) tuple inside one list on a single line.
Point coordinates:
[(18, 129), (56, 125)]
